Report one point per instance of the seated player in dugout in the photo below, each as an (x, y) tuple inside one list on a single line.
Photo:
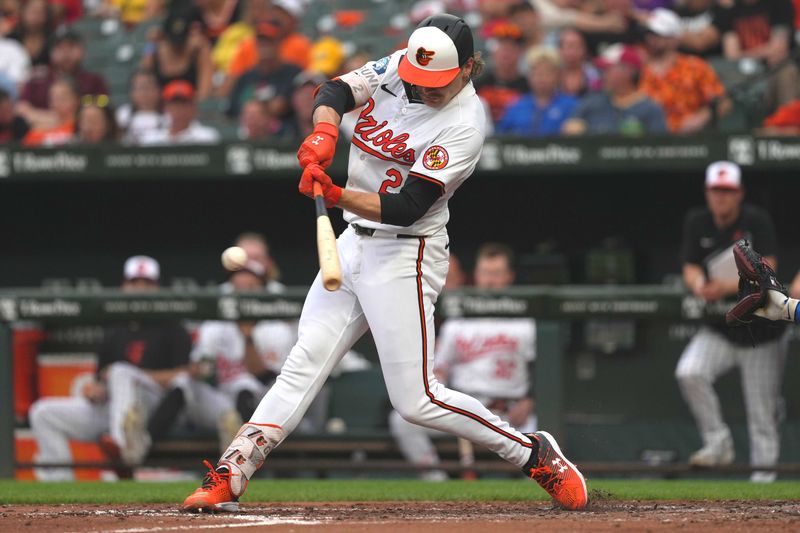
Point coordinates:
[(490, 359), (137, 362), (418, 138), (233, 364)]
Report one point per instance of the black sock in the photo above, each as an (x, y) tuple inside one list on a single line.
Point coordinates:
[(166, 414), (534, 457), (246, 404)]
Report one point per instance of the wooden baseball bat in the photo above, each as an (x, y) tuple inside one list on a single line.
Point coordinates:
[(326, 244)]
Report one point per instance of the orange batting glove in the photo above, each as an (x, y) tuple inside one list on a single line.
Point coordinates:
[(320, 146), (330, 191)]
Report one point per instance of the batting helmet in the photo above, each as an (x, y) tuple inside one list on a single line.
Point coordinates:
[(437, 50)]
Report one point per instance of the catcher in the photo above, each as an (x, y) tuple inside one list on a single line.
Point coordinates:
[(761, 295)]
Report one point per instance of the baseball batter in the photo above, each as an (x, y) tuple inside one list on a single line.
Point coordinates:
[(418, 138), (487, 358)]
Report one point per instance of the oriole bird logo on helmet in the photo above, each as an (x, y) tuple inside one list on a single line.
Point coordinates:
[(424, 56)]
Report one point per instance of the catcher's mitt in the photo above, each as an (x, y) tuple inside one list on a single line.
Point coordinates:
[(761, 295)]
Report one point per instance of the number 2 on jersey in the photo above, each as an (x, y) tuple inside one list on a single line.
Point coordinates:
[(395, 181)]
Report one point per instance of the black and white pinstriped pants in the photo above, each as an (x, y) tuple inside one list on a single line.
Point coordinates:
[(708, 356)]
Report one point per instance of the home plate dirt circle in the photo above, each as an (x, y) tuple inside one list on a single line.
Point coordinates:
[(414, 516)]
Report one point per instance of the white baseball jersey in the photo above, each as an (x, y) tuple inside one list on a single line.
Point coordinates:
[(395, 137), (223, 342), (487, 356)]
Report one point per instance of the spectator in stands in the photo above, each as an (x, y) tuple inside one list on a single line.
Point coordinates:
[(625, 28), (762, 30), (181, 111), (96, 121), (14, 61), (700, 33), (271, 80), (254, 122), (544, 109), (326, 56), (214, 16), (13, 127), (143, 111), (9, 16), (526, 18), (57, 126), (503, 84), (130, 12), (784, 121), (488, 358), (555, 15), (66, 59), (685, 86), (66, 12), (227, 46), (137, 361), (305, 84), (33, 31), (578, 75), (294, 47), (620, 108), (650, 5), (180, 52)]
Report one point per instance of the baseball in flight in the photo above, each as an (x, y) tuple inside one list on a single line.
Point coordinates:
[(234, 258)]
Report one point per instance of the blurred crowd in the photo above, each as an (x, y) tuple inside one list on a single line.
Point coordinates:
[(210, 70)]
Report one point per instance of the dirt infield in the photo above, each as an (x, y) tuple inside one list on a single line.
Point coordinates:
[(413, 516)]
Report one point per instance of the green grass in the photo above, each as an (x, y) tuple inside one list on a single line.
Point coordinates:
[(20, 492)]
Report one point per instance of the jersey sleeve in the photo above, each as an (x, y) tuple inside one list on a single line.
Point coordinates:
[(274, 340), (450, 159), (365, 80)]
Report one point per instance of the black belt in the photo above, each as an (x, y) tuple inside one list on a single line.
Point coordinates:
[(369, 232)]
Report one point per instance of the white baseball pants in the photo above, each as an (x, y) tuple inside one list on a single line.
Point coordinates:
[(390, 285), (416, 444), (708, 356), (57, 420)]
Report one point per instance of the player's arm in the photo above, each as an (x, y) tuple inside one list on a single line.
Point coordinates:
[(333, 99)]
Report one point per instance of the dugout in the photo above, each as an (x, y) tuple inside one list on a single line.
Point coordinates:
[(70, 216)]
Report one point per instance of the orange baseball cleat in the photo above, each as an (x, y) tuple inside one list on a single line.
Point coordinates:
[(214, 495), (555, 474)]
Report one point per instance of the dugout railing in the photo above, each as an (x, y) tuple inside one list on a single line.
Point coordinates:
[(610, 320)]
